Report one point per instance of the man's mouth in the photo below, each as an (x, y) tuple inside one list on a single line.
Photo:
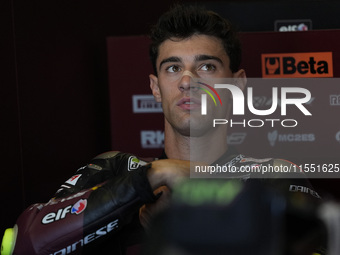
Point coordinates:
[(189, 103)]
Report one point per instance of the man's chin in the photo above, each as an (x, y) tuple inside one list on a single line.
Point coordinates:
[(193, 130), (191, 133), (194, 126), (199, 129)]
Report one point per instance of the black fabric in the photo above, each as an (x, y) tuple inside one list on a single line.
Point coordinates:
[(112, 188), (114, 185)]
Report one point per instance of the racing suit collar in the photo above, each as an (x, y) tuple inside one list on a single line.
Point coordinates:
[(230, 153)]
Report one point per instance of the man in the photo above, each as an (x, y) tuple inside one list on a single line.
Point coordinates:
[(100, 208), (180, 54)]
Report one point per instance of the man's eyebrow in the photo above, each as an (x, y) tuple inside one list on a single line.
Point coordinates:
[(208, 57), (170, 59)]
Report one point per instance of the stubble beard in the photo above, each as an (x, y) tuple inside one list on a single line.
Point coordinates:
[(194, 125)]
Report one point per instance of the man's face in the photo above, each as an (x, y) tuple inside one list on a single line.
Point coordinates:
[(179, 63)]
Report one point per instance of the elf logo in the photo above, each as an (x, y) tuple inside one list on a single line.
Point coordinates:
[(77, 209), (297, 65)]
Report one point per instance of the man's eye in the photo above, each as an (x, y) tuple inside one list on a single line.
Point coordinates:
[(173, 69), (208, 67)]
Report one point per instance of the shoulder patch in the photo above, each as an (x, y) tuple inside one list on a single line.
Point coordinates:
[(73, 180), (134, 163)]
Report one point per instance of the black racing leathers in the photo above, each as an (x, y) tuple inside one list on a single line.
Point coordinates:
[(99, 201), (96, 210)]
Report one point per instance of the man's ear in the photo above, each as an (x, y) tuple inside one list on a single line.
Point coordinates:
[(240, 79), (155, 88)]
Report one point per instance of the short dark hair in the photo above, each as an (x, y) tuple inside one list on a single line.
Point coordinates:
[(184, 21)]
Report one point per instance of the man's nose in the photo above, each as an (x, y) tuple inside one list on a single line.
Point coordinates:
[(186, 82)]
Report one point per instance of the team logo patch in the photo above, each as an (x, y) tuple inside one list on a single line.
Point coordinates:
[(79, 207), (133, 163), (73, 180)]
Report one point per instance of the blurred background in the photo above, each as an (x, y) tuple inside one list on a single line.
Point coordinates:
[(55, 105)]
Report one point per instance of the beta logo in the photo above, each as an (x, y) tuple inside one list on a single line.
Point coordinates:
[(297, 65), (77, 209)]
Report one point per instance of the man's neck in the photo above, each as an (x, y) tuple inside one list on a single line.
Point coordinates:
[(207, 148)]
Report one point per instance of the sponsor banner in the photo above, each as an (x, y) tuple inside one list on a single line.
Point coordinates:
[(276, 137), (334, 100), (293, 25), (142, 132), (236, 138), (297, 65), (152, 139), (145, 104)]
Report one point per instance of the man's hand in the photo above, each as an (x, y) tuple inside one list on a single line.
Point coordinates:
[(163, 175), (168, 172), (148, 211)]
